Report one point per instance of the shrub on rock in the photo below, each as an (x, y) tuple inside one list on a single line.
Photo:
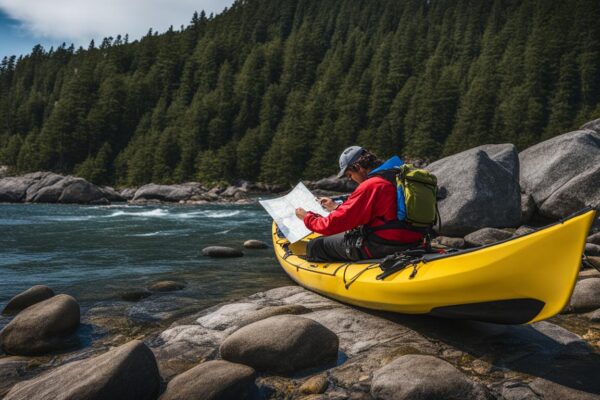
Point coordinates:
[(27, 298), (281, 344), (213, 380), (221, 252), (128, 372), (481, 189), (562, 173), (42, 328), (423, 377)]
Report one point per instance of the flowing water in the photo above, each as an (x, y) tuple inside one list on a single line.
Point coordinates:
[(96, 253)]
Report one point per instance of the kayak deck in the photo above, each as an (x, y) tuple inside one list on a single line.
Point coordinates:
[(520, 280)]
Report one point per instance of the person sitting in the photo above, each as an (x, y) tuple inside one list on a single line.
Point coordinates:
[(365, 226)]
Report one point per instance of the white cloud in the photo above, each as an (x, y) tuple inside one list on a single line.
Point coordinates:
[(82, 20)]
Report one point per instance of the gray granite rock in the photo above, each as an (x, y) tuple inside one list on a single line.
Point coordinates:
[(486, 236), (333, 184), (169, 193), (523, 230), (27, 298), (572, 343), (592, 125), (42, 327), (128, 193), (126, 372), (293, 343), (561, 173), (213, 380), (594, 238), (550, 390), (12, 369), (586, 295), (528, 207), (480, 187), (255, 244), (111, 194), (594, 316), (423, 377), (221, 252)]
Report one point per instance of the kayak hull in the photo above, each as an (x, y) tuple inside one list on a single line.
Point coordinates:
[(520, 280)]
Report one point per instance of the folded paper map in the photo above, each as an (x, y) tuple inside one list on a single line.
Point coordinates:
[(283, 211)]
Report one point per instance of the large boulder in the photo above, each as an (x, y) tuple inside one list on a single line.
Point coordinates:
[(111, 194), (213, 380), (333, 184), (67, 189), (562, 173), (592, 125), (42, 327), (27, 298), (170, 193), (128, 372), (423, 377), (480, 188), (281, 344)]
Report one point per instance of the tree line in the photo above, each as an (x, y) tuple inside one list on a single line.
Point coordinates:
[(273, 90)]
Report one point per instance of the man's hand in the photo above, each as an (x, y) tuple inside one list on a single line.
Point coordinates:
[(327, 203), (301, 213)]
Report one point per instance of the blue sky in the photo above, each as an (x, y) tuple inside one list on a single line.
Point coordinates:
[(25, 23)]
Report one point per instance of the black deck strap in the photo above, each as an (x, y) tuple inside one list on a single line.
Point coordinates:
[(355, 277), (399, 261)]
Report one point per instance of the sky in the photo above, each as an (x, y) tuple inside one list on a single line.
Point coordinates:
[(25, 23)]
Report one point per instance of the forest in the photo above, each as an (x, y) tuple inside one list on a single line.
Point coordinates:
[(273, 90)]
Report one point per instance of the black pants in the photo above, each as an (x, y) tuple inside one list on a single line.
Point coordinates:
[(341, 248)]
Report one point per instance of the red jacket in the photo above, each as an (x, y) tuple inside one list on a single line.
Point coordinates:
[(372, 203)]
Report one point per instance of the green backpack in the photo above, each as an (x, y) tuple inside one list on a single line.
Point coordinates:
[(417, 191)]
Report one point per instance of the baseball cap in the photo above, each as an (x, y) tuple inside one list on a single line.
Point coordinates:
[(349, 157)]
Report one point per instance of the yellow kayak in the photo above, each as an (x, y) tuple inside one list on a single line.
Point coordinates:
[(520, 280)]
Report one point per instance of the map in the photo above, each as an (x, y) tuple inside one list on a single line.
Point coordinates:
[(282, 210)]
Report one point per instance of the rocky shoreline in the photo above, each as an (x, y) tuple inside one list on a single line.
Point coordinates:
[(292, 343)]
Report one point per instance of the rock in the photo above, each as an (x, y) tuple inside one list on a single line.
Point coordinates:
[(456, 243), (135, 295), (42, 327), (588, 273), (221, 252), (518, 391), (255, 244), (523, 230), (333, 184), (233, 191), (128, 193), (213, 380), (27, 298), (595, 261), (594, 238), (12, 370), (314, 385), (561, 173), (481, 189), (592, 250), (13, 189), (169, 193), (586, 295), (292, 343), (549, 390), (487, 236), (126, 372), (70, 190), (594, 316), (111, 194), (573, 344), (592, 125), (528, 207), (423, 377), (166, 286)]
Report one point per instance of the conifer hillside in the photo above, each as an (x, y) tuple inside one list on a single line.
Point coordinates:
[(273, 90)]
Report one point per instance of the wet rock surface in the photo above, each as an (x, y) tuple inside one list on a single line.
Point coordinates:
[(42, 328), (27, 298), (213, 380), (497, 360), (221, 252), (166, 286), (126, 372), (255, 244)]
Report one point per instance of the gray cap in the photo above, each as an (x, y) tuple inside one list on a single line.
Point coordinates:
[(349, 157)]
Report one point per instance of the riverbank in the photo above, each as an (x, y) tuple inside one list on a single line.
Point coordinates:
[(379, 355)]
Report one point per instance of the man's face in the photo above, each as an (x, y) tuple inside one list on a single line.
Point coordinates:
[(356, 173)]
